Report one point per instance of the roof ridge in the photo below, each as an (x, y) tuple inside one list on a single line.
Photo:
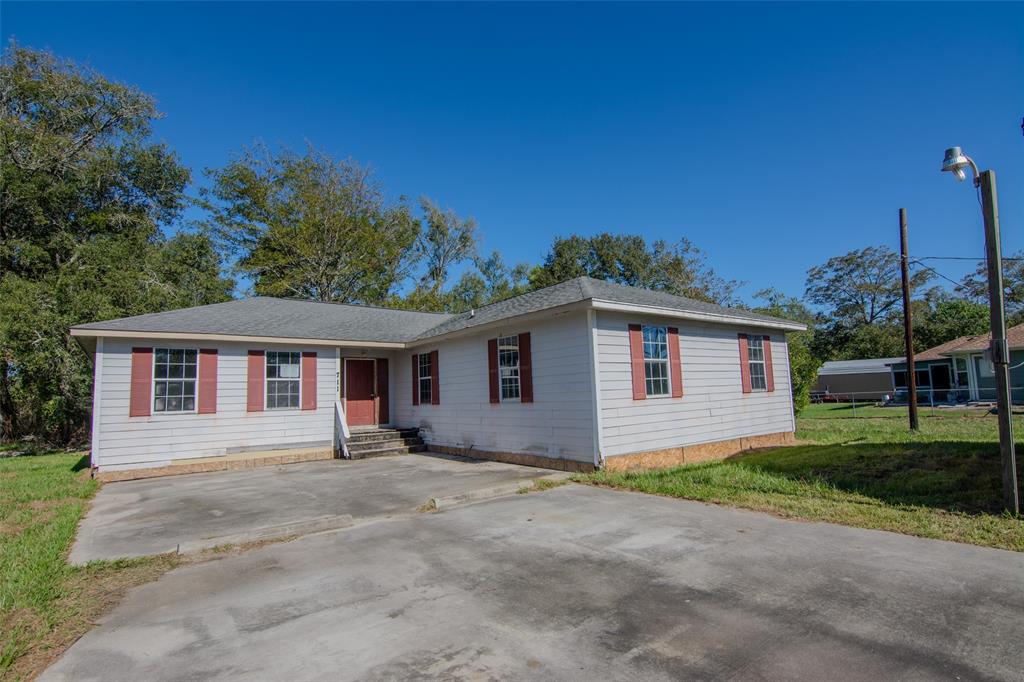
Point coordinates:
[(525, 293), (352, 305), (584, 284)]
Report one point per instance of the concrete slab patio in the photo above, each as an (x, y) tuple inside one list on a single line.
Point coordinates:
[(153, 516), (574, 583)]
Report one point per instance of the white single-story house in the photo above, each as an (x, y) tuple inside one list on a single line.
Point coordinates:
[(576, 376)]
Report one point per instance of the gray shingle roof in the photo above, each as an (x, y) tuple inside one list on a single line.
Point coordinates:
[(289, 318), (607, 291), (283, 317), (531, 302), (582, 289)]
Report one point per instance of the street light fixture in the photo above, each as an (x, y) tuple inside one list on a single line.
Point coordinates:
[(956, 162)]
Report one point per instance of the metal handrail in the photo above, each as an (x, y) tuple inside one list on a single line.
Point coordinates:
[(342, 430)]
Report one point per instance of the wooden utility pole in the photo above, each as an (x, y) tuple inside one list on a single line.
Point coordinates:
[(908, 328), (999, 348)]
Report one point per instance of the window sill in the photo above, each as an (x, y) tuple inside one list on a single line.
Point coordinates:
[(166, 416)]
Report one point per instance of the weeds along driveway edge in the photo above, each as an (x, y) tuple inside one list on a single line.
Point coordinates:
[(45, 603)]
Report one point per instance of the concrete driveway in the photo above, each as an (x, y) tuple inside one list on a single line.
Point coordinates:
[(574, 583), (157, 515)]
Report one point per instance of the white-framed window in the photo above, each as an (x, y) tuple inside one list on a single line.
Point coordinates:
[(755, 357), (508, 367), (656, 360), (962, 379), (174, 379), (425, 378), (984, 366), (284, 379)]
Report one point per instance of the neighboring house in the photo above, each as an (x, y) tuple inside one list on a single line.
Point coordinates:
[(958, 371), (861, 379), (575, 376)]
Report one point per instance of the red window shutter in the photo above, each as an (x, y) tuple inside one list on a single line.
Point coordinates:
[(744, 363), (207, 399), (525, 369), (254, 392), (435, 380), (382, 391), (769, 374), (415, 379), (309, 380), (139, 404), (636, 360), (675, 364), (492, 369)]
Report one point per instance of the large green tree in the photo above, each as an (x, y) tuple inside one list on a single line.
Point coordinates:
[(446, 241), (84, 192), (860, 287), (309, 226), (975, 285), (859, 294), (946, 319), (678, 268), (490, 281)]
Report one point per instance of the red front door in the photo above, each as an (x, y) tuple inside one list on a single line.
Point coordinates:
[(360, 396)]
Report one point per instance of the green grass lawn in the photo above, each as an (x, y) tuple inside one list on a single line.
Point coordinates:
[(41, 499), (868, 471), (45, 604)]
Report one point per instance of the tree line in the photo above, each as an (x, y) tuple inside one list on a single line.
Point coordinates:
[(91, 210)]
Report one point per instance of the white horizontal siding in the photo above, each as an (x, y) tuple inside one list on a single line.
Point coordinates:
[(558, 424), (713, 406), (126, 442)]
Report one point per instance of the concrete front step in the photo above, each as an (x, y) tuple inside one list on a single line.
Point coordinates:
[(364, 445), (368, 443), (386, 451), (376, 435)]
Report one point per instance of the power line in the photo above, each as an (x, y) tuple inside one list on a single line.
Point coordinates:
[(934, 271), (1005, 258)]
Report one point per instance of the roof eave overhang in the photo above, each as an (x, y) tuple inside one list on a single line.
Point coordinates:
[(733, 320), (194, 336), (971, 351)]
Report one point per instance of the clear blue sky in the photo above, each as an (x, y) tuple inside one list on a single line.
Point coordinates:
[(774, 136)]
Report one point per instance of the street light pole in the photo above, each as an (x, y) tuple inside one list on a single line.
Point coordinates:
[(998, 348), (999, 351)]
